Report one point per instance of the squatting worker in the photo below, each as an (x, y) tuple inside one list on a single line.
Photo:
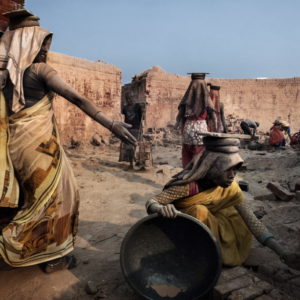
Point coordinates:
[(193, 111), (39, 197), (249, 127), (208, 192)]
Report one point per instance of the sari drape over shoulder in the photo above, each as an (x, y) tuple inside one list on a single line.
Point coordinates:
[(46, 223), (215, 208)]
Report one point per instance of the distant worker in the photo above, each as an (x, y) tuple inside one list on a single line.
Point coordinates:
[(286, 131), (134, 114), (277, 138), (249, 127), (295, 139), (193, 110), (219, 109)]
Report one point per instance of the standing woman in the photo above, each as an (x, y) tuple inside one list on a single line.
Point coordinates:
[(193, 110), (214, 94), (39, 198)]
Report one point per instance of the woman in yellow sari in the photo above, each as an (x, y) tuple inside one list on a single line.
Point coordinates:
[(39, 198), (207, 191)]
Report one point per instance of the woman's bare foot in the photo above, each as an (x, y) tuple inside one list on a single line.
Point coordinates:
[(62, 263)]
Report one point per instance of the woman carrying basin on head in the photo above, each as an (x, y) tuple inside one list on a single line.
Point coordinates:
[(207, 191)]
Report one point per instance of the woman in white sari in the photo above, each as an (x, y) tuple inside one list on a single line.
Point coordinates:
[(39, 198)]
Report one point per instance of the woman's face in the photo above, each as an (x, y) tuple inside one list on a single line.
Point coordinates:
[(42, 55), (226, 178)]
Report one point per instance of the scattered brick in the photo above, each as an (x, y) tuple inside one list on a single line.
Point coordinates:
[(280, 192), (258, 288), (279, 295), (231, 273), (223, 290), (295, 281)]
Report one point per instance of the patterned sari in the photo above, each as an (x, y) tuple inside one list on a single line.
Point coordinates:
[(215, 208), (34, 162)]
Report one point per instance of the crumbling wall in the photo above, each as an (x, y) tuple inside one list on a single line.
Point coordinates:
[(5, 6), (99, 82), (262, 100), (162, 91)]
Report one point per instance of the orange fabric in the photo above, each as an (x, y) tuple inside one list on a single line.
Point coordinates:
[(276, 136)]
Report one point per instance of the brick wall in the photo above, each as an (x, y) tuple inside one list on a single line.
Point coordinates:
[(5, 6), (97, 81), (262, 100)]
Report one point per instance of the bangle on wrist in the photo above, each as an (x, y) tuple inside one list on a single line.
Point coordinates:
[(265, 237)]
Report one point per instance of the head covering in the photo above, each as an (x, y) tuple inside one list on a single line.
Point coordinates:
[(198, 75), (195, 100), (21, 18), (276, 122), (284, 124), (214, 87), (220, 155), (18, 49)]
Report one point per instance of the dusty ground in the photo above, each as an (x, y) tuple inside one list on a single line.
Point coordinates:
[(113, 199)]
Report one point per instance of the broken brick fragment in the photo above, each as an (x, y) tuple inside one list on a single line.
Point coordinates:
[(280, 192)]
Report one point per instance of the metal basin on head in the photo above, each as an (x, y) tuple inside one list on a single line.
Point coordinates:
[(170, 258)]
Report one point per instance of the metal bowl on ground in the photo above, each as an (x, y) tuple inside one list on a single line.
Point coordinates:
[(170, 258)]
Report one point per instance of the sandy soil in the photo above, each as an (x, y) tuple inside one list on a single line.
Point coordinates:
[(113, 199)]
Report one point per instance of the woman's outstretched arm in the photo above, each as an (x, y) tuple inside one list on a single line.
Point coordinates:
[(56, 84)]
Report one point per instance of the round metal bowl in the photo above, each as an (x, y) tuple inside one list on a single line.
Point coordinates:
[(170, 258)]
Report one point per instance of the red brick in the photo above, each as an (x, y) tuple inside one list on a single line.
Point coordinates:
[(7, 5)]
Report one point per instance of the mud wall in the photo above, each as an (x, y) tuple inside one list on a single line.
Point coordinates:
[(262, 100), (99, 82)]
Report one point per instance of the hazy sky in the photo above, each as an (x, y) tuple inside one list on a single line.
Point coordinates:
[(228, 38)]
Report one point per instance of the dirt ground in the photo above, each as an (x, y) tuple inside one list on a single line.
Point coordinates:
[(113, 199)]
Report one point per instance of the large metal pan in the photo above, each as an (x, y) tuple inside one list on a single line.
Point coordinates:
[(170, 258)]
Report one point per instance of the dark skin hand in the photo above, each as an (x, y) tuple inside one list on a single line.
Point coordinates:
[(169, 211)]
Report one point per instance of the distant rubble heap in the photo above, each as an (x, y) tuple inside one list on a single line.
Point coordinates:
[(233, 123)]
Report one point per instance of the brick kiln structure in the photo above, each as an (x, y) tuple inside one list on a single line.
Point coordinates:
[(262, 100), (5, 6), (98, 81)]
